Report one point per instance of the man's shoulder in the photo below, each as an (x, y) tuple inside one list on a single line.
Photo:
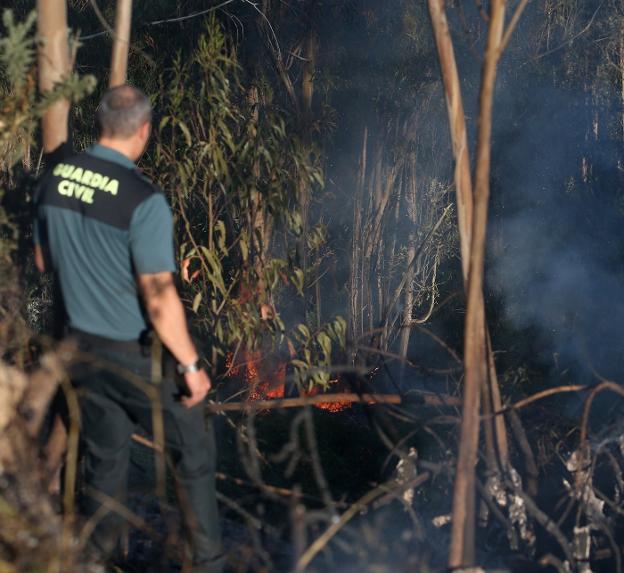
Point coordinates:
[(148, 184)]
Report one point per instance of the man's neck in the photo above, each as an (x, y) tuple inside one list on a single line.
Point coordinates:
[(125, 147)]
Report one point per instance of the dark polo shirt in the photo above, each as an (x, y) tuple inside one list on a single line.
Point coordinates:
[(103, 223)]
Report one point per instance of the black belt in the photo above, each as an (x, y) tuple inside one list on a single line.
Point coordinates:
[(88, 342)]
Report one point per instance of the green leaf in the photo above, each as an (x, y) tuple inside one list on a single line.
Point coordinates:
[(197, 301), (304, 330), (186, 132), (297, 280), (244, 249), (325, 343), (163, 122), (220, 235)]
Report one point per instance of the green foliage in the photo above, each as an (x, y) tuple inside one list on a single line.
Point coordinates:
[(17, 48), (316, 352), (234, 168), (21, 106)]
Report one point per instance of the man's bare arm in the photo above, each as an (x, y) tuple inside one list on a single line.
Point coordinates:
[(40, 259), (166, 314)]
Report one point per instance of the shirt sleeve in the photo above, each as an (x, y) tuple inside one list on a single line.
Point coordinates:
[(151, 236)]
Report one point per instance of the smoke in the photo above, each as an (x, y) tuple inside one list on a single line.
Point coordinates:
[(556, 243)]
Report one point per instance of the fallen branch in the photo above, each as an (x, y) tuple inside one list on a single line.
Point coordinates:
[(351, 397)]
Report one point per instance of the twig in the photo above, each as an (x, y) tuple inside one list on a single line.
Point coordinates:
[(365, 500), (251, 520), (315, 459), (297, 519), (71, 469), (189, 16), (616, 551), (400, 488), (525, 448), (604, 385), (399, 289), (548, 524), (493, 507), (405, 361), (113, 505), (512, 25), (539, 395), (441, 342), (564, 44)]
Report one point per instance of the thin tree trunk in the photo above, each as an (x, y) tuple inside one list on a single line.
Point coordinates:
[(356, 247), (374, 188), (495, 431), (457, 123), (121, 43), (412, 212), (54, 66), (462, 551), (53, 60), (307, 93), (388, 273), (259, 223)]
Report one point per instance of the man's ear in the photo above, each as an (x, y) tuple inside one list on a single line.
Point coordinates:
[(145, 130)]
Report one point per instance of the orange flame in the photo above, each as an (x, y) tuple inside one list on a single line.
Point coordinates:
[(263, 384), (271, 384)]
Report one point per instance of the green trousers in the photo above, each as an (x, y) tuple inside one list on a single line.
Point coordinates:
[(111, 407)]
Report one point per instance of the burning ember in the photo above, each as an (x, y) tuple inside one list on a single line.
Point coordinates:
[(328, 406)]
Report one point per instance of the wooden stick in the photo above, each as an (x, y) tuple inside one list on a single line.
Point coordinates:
[(121, 43)]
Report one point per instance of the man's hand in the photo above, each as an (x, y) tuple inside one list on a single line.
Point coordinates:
[(199, 385)]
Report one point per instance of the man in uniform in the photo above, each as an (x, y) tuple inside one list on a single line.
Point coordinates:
[(107, 233)]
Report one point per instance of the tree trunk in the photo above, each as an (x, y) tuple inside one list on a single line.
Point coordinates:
[(121, 43), (462, 553), (53, 57)]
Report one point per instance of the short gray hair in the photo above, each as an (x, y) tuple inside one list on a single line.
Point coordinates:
[(122, 111)]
